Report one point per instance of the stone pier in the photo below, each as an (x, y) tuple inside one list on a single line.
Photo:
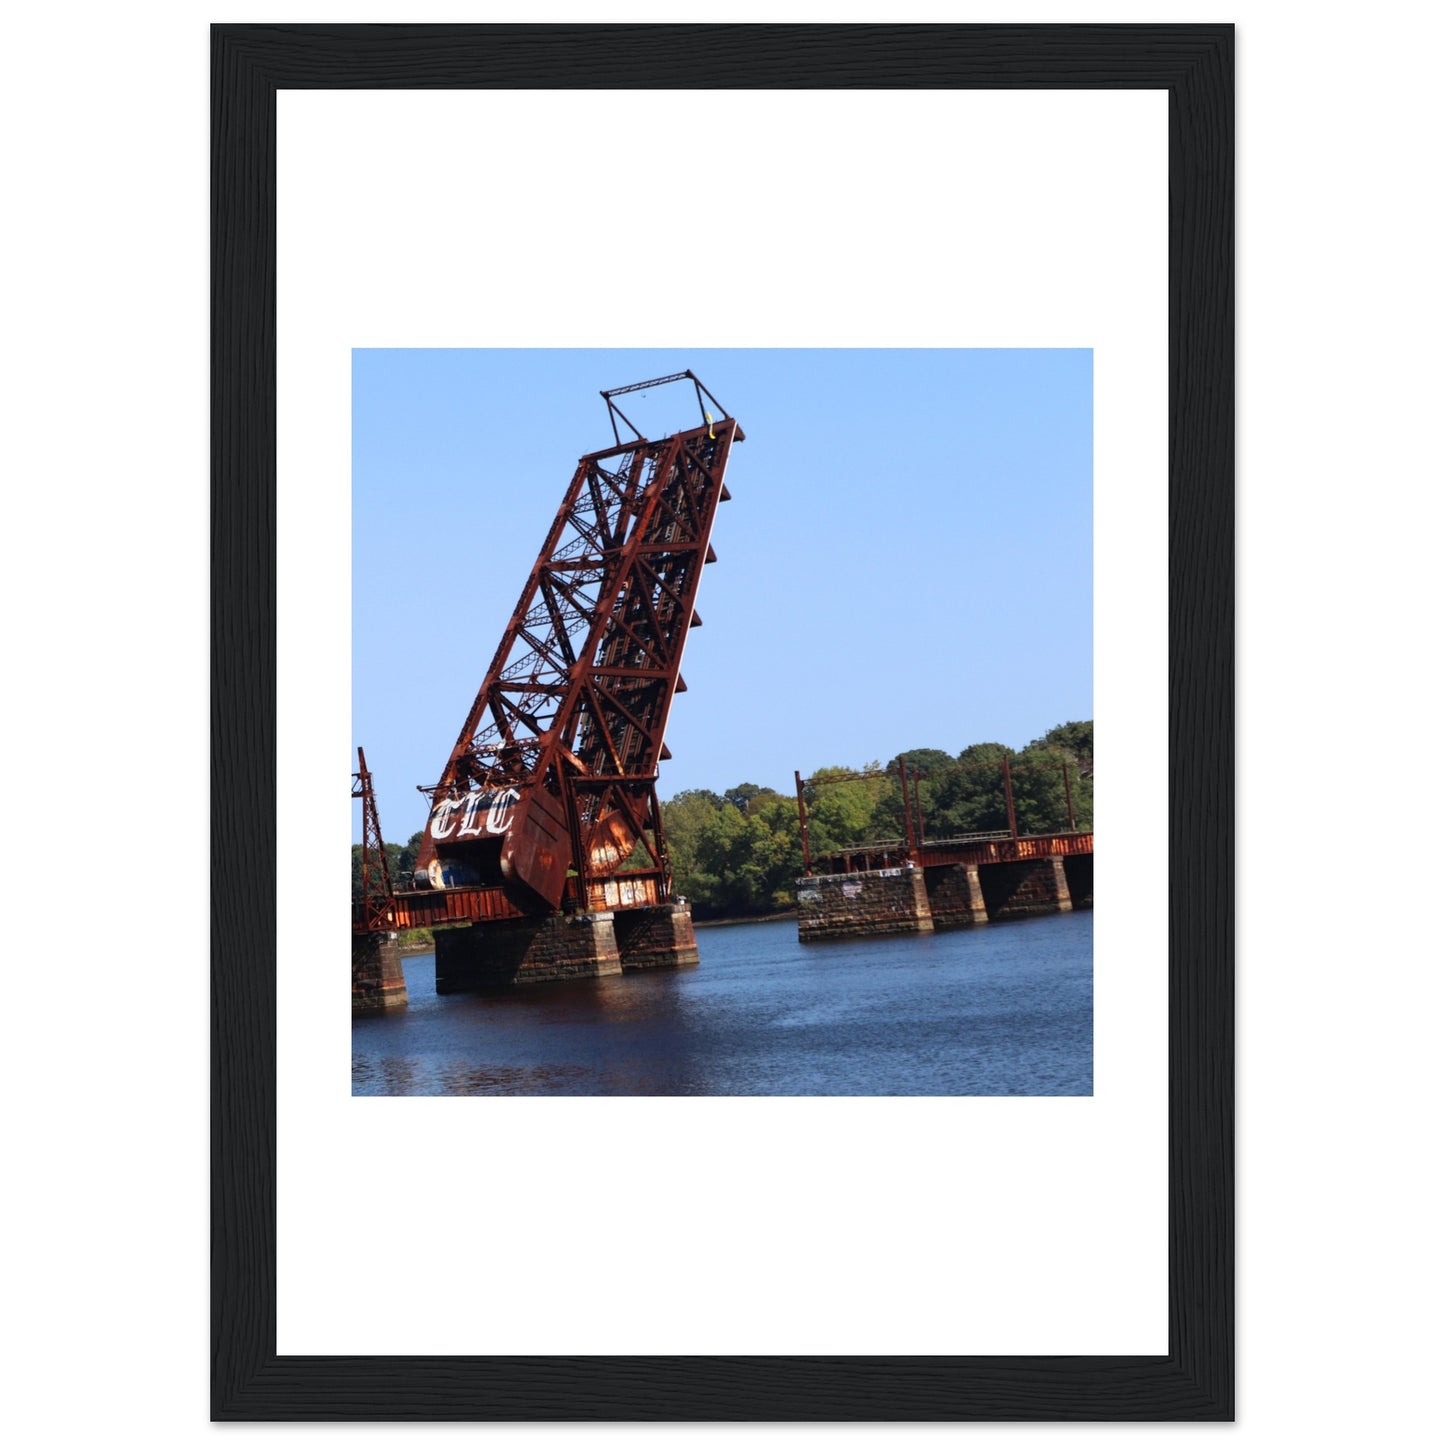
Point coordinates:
[(659, 937), (377, 980), (526, 950), (948, 895), (955, 896), (857, 905), (1022, 890)]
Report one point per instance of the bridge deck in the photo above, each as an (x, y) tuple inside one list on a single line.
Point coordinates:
[(973, 850), (434, 908)]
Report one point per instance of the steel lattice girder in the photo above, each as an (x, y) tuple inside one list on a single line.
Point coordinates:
[(556, 765), (374, 912)]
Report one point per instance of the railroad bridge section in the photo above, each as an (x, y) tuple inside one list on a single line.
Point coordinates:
[(950, 883)]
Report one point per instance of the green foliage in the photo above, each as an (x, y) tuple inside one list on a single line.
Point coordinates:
[(400, 858), (968, 795), (742, 795), (1040, 794), (406, 864), (922, 760), (1074, 738), (728, 861), (393, 858), (841, 807)]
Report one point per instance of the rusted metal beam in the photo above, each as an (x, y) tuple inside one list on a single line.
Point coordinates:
[(803, 824), (907, 811), (990, 848), (374, 911)]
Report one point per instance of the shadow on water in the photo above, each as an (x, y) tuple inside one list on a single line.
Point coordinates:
[(1005, 1009)]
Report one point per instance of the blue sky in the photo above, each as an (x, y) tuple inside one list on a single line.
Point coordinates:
[(907, 560)]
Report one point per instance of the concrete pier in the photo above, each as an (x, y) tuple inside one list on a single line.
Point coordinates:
[(660, 937), (526, 950), (854, 905), (377, 981)]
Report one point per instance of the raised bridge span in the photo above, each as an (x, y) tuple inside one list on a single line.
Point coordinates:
[(544, 833)]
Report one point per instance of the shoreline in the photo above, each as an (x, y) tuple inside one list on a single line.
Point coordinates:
[(745, 918)]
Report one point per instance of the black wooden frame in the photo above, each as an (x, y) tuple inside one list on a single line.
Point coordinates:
[(1194, 1381)]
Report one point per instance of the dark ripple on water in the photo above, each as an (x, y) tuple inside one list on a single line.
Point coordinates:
[(1004, 1009)]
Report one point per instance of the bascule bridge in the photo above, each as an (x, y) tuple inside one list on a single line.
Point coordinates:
[(544, 839)]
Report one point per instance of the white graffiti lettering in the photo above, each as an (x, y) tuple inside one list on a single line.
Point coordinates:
[(470, 828), (442, 819), (445, 815), (499, 815)]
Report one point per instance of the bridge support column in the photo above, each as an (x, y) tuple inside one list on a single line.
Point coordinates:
[(377, 980), (1021, 890), (860, 905), (955, 896), (525, 950), (660, 937)]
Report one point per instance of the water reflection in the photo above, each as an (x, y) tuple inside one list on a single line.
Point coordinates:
[(1006, 1009), (471, 1079)]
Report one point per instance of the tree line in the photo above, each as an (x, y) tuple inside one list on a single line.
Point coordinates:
[(738, 853)]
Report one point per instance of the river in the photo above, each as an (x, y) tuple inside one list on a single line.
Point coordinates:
[(1003, 1009)]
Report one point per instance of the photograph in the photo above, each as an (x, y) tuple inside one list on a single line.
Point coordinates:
[(836, 840)]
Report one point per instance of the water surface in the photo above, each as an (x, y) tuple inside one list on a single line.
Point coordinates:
[(1003, 1009)]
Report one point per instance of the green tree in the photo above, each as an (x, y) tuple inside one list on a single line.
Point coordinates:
[(785, 848), (742, 795), (841, 807), (968, 796), (1040, 797), (727, 861), (1074, 738), (1044, 800), (393, 858), (926, 764), (683, 819), (406, 861)]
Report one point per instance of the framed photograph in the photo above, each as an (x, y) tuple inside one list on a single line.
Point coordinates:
[(695, 809), (970, 290)]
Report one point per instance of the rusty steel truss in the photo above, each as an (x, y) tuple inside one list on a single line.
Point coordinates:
[(374, 910), (548, 798)]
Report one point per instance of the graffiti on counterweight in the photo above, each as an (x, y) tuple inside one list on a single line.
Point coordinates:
[(458, 816)]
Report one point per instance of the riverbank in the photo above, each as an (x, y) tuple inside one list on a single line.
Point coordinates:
[(745, 918)]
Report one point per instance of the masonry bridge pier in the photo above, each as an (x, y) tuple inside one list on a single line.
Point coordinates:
[(952, 883)]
